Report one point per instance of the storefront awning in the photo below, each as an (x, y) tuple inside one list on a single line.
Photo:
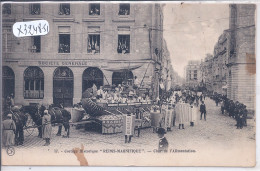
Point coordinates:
[(225, 87), (123, 67)]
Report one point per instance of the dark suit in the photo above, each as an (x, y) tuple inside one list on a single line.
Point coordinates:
[(203, 111), (163, 144)]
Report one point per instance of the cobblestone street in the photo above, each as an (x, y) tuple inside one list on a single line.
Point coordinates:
[(205, 137)]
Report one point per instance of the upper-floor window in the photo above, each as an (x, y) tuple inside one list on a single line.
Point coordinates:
[(94, 9), (7, 38), (64, 43), (124, 9), (93, 43), (35, 9), (64, 9), (36, 44), (6, 8), (123, 44)]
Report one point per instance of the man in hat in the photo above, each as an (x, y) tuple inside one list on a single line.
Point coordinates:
[(203, 110), (9, 128), (46, 127), (163, 143), (129, 131)]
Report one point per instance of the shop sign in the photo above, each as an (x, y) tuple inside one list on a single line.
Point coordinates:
[(76, 63)]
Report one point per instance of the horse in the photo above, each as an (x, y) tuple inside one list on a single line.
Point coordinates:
[(36, 114), (20, 120), (58, 115)]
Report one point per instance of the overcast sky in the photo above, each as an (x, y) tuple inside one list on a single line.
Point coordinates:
[(192, 30)]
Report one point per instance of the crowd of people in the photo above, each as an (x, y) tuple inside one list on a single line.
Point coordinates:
[(235, 110), (125, 93), (187, 107)]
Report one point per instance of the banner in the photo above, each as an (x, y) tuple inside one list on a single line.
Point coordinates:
[(182, 113), (129, 124), (169, 118)]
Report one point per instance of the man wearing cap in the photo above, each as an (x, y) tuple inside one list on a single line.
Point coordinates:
[(8, 131), (163, 143), (46, 127)]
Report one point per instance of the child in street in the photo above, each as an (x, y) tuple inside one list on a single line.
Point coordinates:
[(163, 143)]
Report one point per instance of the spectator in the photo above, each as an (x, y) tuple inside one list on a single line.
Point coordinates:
[(9, 129), (46, 124), (163, 143), (203, 110)]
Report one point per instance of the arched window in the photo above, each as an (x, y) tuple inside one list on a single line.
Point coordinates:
[(123, 77), (33, 83), (8, 81), (92, 75)]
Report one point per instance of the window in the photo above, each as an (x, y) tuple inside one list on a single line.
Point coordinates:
[(124, 9), (93, 43), (36, 44), (6, 8), (123, 44), (195, 76), (6, 38), (33, 83), (124, 77), (94, 9), (64, 43), (35, 9), (64, 9)]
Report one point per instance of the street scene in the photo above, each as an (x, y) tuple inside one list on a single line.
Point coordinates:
[(219, 131), (119, 84)]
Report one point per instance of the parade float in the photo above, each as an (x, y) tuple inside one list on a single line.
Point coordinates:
[(110, 115)]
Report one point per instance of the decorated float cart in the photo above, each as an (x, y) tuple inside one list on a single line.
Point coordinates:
[(108, 118)]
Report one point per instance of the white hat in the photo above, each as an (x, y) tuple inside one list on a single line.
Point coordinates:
[(45, 111), (9, 115)]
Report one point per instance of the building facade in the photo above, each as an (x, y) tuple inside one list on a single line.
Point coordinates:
[(241, 61), (219, 64), (206, 72), (88, 43), (193, 74)]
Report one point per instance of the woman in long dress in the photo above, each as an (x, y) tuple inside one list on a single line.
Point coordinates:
[(46, 124), (9, 128)]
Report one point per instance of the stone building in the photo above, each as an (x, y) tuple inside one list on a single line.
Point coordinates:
[(193, 74), (206, 72), (219, 64), (87, 43), (241, 61)]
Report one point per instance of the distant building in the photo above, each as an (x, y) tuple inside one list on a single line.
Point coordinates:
[(206, 72), (242, 61), (193, 74)]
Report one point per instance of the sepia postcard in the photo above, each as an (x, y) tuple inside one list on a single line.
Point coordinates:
[(128, 84)]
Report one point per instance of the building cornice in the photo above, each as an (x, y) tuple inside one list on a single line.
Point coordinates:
[(124, 20), (63, 20), (93, 20)]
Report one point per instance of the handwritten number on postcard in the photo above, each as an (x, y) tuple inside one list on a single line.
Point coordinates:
[(31, 28)]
